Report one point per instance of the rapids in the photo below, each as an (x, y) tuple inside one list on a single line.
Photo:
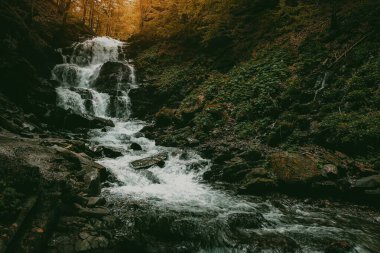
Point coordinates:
[(171, 209)]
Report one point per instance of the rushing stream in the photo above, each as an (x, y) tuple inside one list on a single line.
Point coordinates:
[(170, 208)]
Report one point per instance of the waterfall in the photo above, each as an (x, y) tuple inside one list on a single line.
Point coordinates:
[(79, 75)]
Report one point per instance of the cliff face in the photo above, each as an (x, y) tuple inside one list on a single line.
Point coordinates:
[(294, 77)]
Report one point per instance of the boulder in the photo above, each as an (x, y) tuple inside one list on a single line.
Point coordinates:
[(9, 125), (150, 176), (294, 168), (96, 212), (95, 201), (146, 100), (92, 181), (112, 76), (135, 146), (339, 247), (145, 163), (258, 172), (96, 122), (138, 135), (82, 245), (192, 142), (70, 120), (371, 182), (196, 166), (250, 220), (276, 242), (111, 152), (330, 171), (103, 151), (258, 186)]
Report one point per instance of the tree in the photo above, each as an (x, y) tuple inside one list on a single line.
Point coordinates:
[(85, 6), (65, 7)]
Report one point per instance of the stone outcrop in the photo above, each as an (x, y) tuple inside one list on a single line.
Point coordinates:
[(113, 76), (45, 178), (68, 119)]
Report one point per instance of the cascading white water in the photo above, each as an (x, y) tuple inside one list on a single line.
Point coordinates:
[(80, 71), (100, 103), (177, 187), (96, 51), (69, 99)]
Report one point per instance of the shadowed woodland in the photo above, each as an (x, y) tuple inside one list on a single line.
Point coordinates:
[(189, 126)]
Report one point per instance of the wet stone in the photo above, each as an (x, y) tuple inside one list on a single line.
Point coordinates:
[(92, 181), (138, 135), (98, 242), (111, 152), (368, 182), (82, 245), (135, 146), (150, 176), (330, 170), (93, 212), (148, 162), (339, 247), (84, 235), (95, 201)]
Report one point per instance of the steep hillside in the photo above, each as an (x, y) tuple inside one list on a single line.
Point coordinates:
[(29, 35), (284, 81)]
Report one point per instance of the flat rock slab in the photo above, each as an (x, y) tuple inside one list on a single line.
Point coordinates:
[(148, 162), (370, 182), (93, 212)]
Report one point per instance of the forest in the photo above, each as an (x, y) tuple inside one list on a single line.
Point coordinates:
[(189, 126)]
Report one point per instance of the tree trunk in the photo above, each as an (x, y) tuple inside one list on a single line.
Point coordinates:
[(66, 9), (97, 28), (85, 3), (141, 15), (92, 13)]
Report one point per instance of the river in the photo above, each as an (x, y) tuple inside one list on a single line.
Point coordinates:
[(171, 208)]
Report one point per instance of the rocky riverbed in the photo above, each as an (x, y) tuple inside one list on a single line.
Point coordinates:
[(112, 189)]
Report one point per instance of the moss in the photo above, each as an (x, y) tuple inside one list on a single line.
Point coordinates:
[(249, 91), (353, 133), (166, 117), (269, 93), (312, 54)]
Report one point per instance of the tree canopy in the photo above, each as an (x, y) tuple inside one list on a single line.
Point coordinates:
[(205, 19)]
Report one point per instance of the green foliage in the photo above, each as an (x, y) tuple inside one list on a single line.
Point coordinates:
[(368, 75), (272, 55), (208, 20), (249, 92), (351, 132)]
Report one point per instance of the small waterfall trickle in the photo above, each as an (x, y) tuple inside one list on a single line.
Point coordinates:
[(101, 103)]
